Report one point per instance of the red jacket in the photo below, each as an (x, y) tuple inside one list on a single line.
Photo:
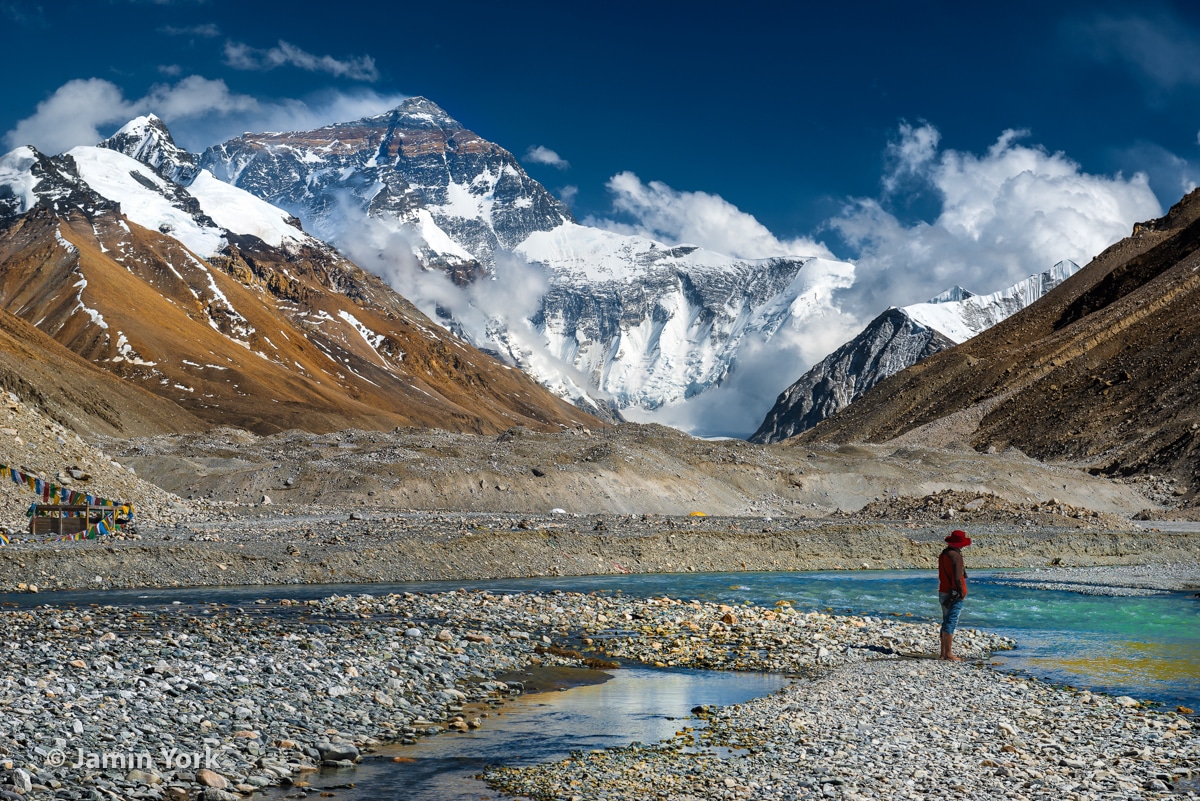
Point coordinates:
[(951, 572)]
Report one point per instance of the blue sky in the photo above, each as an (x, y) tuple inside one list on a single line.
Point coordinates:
[(862, 128)]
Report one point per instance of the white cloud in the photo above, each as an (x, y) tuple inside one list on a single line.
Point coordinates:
[(1015, 210), (696, 218), (199, 111), (544, 155), (195, 96), (25, 14), (71, 116), (207, 30), (173, 70), (1001, 215), (568, 193), (244, 57), (910, 154)]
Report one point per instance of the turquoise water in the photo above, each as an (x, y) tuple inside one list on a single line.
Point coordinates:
[(1146, 647)]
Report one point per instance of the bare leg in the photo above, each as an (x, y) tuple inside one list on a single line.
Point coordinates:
[(948, 648)]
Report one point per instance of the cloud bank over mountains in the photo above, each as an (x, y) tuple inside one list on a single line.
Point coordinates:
[(998, 216), (199, 111), (1004, 214)]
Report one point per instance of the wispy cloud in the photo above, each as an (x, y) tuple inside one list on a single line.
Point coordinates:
[(661, 212), (27, 15), (244, 57), (1161, 46), (544, 155), (200, 112), (206, 31), (171, 70), (568, 193)]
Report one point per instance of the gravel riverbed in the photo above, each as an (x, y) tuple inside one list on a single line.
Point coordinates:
[(215, 702), (896, 729)]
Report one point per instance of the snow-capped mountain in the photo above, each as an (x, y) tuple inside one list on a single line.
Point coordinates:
[(893, 341), (216, 300), (602, 318), (146, 139), (457, 197)]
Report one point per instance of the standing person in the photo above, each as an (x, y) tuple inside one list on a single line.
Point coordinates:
[(952, 589)]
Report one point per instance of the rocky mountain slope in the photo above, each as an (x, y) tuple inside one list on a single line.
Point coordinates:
[(455, 195), (1104, 371), (604, 317), (896, 339), (216, 301)]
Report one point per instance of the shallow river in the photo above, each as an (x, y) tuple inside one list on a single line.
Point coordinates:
[(1147, 647)]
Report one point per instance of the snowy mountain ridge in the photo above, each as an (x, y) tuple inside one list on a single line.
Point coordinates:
[(216, 301), (602, 318), (896, 339), (146, 139)]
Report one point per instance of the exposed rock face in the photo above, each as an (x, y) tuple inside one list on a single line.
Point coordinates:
[(648, 325), (618, 321), (214, 300), (146, 139), (1105, 370), (460, 196), (893, 341)]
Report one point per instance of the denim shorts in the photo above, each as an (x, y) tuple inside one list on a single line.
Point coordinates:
[(950, 612)]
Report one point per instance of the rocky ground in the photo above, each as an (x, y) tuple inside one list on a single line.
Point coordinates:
[(268, 692), (241, 549), (1129, 580), (32, 442), (275, 689), (626, 469), (897, 729)]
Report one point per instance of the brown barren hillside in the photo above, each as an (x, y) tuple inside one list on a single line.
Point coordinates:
[(257, 337), (76, 393), (1103, 371)]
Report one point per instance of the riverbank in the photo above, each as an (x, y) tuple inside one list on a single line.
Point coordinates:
[(274, 548), (896, 729), (1113, 581), (164, 703), (262, 694)]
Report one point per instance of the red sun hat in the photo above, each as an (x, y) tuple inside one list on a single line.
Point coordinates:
[(958, 539)]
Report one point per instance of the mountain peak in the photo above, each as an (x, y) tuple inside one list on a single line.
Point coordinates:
[(147, 139), (952, 295), (421, 112)]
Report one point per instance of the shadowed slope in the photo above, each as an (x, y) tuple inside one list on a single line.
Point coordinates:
[(1104, 370)]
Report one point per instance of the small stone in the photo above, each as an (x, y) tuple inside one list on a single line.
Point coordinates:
[(337, 752), (208, 778), (1126, 701), (413, 632), (265, 500), (142, 777), (22, 781)]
